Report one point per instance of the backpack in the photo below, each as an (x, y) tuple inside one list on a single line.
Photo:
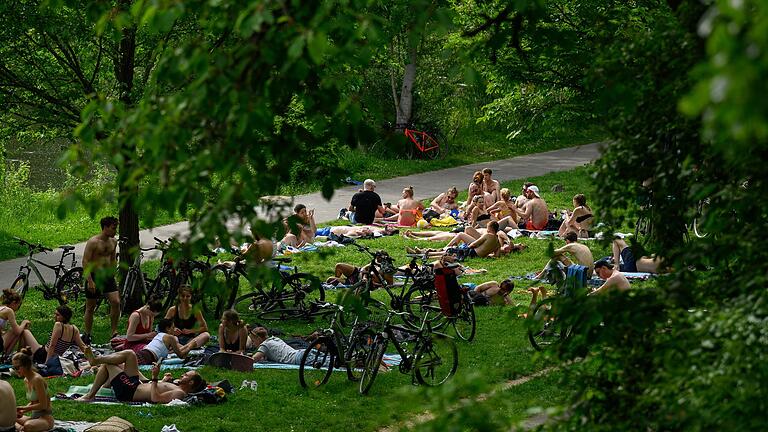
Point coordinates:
[(448, 291)]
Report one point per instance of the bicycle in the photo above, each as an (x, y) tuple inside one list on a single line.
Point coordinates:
[(287, 297), (544, 327), (135, 278), (433, 360), (427, 145), (333, 349), (67, 285)]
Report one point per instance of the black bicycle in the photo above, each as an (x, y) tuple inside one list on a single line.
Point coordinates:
[(544, 327), (333, 348), (67, 285), (135, 279)]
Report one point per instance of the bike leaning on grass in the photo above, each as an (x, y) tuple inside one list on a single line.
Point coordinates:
[(67, 285)]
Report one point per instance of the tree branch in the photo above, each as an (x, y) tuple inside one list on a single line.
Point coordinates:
[(491, 22)]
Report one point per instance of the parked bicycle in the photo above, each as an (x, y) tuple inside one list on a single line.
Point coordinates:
[(291, 294), (425, 144), (432, 361), (67, 285), (136, 279), (333, 348), (544, 327)]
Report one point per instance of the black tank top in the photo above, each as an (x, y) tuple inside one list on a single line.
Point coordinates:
[(184, 324)]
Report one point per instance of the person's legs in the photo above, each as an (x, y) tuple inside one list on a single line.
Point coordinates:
[(344, 269), (90, 308), (648, 264), (37, 424), (102, 375), (290, 240), (461, 237), (28, 339), (617, 246), (114, 310), (127, 358), (472, 232)]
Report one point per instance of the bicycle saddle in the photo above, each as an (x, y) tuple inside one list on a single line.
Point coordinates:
[(67, 248)]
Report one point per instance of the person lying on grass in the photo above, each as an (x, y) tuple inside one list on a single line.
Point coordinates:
[(63, 336), (37, 414), (613, 278), (488, 244), (121, 370), (361, 231), (166, 341), (348, 274), (492, 293), (273, 349)]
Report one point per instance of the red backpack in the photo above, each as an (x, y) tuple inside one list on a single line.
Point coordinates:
[(448, 291)]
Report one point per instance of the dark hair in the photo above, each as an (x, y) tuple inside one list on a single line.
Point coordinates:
[(580, 199), (526, 185), (487, 171), (65, 313), (197, 383), (108, 221), (453, 190), (232, 317), (261, 332), (477, 177), (164, 324), (155, 305), (299, 207), (494, 225), (10, 296), (507, 285), (603, 263), (571, 236)]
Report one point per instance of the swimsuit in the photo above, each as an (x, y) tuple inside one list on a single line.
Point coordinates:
[(137, 346), (231, 346), (32, 396), (402, 220), (110, 285), (530, 226), (59, 349), (125, 386), (629, 263)]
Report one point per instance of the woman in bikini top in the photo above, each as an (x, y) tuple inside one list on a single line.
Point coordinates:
[(37, 414), (194, 323), (232, 333), (408, 210), (63, 336)]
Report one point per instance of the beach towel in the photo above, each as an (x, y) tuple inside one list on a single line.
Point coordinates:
[(444, 221)]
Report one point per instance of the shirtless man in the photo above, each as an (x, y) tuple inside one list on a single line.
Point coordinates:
[(487, 244), (522, 198), (535, 214), (121, 370), (491, 188), (99, 261), (622, 254), (493, 293), (7, 408), (300, 227), (407, 209), (613, 278), (445, 202), (579, 252), (361, 231)]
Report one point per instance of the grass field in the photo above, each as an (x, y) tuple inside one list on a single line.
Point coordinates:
[(499, 353)]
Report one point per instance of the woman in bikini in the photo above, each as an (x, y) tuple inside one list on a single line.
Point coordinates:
[(187, 318), (503, 207), (477, 215), (140, 329), (10, 330), (446, 201), (37, 414), (408, 209), (63, 336), (579, 220), (233, 334)]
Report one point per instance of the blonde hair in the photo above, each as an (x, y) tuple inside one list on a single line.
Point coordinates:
[(409, 190), (504, 193)]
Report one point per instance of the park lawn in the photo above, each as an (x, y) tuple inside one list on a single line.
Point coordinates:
[(500, 352)]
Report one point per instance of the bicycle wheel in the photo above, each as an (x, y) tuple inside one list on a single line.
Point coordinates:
[(130, 284), (436, 360), (20, 286), (317, 362), (372, 363), (250, 305), (544, 329), (431, 147), (420, 302), (162, 288), (282, 314), (465, 322), (215, 290), (359, 347), (297, 287), (70, 288)]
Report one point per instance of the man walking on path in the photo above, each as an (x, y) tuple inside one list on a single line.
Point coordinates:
[(364, 204), (99, 261)]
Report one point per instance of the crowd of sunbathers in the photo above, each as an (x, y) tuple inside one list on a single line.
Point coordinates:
[(489, 215)]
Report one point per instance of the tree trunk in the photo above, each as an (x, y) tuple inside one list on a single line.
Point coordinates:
[(129, 219), (405, 106)]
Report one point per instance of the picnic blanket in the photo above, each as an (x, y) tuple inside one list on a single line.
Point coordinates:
[(632, 276), (389, 359)]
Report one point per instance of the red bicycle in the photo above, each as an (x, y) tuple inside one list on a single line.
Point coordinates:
[(426, 145)]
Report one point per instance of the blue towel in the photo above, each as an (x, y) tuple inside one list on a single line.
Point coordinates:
[(325, 231), (575, 279)]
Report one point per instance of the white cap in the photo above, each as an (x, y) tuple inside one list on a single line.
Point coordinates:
[(535, 190)]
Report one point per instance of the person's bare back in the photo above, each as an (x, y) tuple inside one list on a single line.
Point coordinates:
[(487, 244)]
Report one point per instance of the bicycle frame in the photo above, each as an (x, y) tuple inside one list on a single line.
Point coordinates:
[(419, 138), (31, 265)]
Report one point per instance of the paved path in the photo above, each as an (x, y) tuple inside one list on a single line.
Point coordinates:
[(426, 185)]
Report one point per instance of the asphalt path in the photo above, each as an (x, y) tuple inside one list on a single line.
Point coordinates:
[(428, 184)]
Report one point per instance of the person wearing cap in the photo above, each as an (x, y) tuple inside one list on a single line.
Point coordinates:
[(613, 278), (364, 204), (521, 199), (535, 213)]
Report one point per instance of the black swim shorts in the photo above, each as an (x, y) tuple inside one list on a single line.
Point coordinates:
[(629, 263), (125, 386), (107, 285)]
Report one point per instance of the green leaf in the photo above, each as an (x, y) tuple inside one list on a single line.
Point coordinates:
[(317, 45)]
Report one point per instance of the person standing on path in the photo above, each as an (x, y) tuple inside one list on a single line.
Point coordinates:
[(364, 204), (99, 260)]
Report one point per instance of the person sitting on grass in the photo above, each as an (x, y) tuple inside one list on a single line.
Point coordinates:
[(475, 188), (187, 318), (300, 227), (491, 188), (579, 220), (535, 214), (523, 197), (348, 274), (121, 371), (63, 336), (503, 207), (165, 341), (476, 213), (37, 414), (579, 253), (140, 325), (445, 202), (407, 210), (613, 278), (364, 206), (10, 330), (233, 333), (492, 293), (623, 256), (7, 408)]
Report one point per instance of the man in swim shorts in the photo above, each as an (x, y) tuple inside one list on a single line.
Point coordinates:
[(99, 260)]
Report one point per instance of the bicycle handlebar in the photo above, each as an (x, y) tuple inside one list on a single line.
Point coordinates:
[(31, 246)]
